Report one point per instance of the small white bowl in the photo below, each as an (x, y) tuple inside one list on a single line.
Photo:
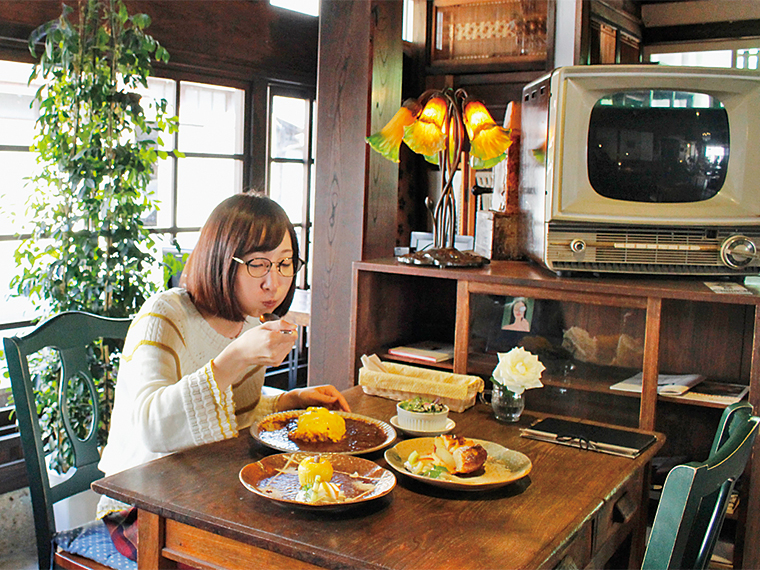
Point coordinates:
[(422, 421)]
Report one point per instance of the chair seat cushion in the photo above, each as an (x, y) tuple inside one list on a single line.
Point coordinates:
[(93, 541)]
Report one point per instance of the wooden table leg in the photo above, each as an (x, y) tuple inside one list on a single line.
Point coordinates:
[(638, 536), (151, 536)]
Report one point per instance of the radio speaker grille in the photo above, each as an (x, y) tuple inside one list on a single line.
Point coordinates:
[(684, 251)]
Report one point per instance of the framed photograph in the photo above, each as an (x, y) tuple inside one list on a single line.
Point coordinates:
[(518, 313), (500, 323)]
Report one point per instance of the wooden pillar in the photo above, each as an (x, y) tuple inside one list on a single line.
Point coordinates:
[(358, 91), (747, 543)]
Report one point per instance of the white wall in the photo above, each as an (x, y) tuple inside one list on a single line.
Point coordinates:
[(566, 40)]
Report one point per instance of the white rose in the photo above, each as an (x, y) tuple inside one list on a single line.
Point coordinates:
[(518, 370)]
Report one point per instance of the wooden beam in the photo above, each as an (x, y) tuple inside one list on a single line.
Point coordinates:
[(358, 90)]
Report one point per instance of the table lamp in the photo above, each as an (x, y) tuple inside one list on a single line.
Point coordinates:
[(446, 127)]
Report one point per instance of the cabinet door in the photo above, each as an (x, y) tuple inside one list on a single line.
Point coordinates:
[(471, 33), (587, 341)]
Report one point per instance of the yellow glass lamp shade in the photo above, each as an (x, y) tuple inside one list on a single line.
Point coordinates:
[(388, 140), (427, 135), (488, 141)]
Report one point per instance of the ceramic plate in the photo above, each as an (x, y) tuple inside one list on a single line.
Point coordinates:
[(363, 434), (450, 425), (275, 477), (502, 467)]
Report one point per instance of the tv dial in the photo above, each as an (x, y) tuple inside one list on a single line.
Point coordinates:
[(738, 251), (578, 245)]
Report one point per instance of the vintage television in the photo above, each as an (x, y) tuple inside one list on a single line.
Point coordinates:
[(642, 169)]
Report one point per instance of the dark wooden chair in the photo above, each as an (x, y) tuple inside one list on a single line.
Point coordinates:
[(69, 334), (695, 496)]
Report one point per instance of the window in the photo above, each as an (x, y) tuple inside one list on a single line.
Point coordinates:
[(407, 33), (308, 7), (290, 172), (738, 54), (211, 136), (17, 118)]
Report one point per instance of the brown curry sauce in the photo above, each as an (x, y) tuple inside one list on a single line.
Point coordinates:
[(360, 435)]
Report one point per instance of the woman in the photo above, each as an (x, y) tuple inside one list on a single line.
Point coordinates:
[(194, 359)]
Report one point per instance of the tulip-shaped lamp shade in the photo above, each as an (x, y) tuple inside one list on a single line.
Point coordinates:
[(388, 140), (488, 141), (427, 135)]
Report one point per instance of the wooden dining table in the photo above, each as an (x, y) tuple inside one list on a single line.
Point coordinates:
[(576, 508)]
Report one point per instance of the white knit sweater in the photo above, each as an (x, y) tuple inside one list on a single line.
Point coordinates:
[(166, 397)]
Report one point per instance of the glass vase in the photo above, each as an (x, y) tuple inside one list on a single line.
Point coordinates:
[(507, 406)]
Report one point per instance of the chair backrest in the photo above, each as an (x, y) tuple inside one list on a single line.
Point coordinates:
[(69, 334), (695, 496)]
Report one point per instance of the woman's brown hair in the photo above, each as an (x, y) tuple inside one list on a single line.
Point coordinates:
[(241, 224)]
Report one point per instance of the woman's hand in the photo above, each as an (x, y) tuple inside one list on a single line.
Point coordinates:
[(326, 396), (266, 345)]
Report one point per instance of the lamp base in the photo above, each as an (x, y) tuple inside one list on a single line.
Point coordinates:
[(445, 257)]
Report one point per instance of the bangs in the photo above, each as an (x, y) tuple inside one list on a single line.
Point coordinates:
[(264, 231)]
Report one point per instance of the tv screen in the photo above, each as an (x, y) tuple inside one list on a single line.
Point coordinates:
[(658, 146)]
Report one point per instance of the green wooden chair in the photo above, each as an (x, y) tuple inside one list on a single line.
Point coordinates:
[(694, 498), (69, 334)]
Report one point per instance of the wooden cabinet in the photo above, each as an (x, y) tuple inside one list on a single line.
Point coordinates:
[(610, 33), (471, 32), (668, 326)]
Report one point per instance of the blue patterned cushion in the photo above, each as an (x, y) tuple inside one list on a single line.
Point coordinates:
[(93, 541)]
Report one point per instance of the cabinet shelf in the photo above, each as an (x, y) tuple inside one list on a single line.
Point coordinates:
[(444, 365), (589, 380), (684, 326)]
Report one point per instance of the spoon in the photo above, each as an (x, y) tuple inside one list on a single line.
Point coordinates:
[(270, 317)]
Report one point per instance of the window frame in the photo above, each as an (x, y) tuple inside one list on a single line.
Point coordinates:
[(275, 89)]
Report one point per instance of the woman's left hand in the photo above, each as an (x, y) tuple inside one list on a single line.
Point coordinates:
[(326, 396)]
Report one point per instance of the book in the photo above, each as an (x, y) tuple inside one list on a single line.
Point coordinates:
[(426, 351), (667, 384), (604, 439), (717, 392)]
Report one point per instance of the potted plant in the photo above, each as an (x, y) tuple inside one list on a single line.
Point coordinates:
[(97, 143)]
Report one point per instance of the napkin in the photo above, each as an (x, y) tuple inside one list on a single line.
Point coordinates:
[(400, 382)]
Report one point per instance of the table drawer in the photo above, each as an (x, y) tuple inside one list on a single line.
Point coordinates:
[(202, 549), (578, 554), (616, 517)]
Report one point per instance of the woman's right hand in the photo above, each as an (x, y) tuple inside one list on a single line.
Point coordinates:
[(266, 345)]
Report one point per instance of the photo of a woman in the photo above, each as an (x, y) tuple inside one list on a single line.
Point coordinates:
[(517, 315)]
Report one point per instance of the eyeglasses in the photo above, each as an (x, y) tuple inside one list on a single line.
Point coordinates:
[(576, 441), (260, 266)]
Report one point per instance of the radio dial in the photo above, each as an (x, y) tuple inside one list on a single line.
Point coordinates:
[(578, 245), (738, 251)]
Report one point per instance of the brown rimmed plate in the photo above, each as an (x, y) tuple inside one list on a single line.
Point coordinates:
[(275, 477), (363, 434), (502, 467)]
